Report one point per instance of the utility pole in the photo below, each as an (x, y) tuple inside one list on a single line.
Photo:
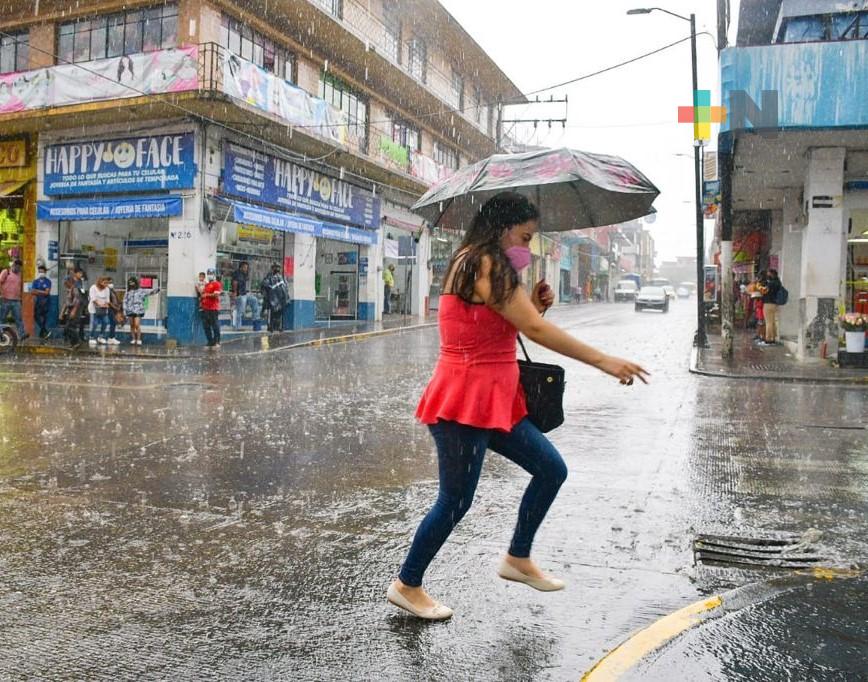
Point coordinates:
[(535, 121)]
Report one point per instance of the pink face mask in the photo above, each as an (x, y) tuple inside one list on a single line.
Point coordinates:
[(519, 257)]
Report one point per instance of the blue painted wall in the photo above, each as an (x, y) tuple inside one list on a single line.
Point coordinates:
[(367, 311), (184, 323), (299, 315), (819, 85)]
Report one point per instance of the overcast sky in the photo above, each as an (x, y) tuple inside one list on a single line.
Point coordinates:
[(631, 111)]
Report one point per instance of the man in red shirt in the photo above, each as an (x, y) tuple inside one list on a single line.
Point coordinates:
[(209, 302)]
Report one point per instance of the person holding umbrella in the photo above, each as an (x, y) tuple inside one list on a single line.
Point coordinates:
[(474, 401)]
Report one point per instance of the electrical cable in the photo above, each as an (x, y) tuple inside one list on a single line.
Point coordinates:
[(301, 157)]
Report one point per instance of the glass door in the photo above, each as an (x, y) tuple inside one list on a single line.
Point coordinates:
[(343, 295)]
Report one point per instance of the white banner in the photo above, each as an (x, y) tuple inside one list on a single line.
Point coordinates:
[(150, 73), (257, 87)]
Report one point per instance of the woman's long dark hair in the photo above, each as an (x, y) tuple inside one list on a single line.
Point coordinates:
[(498, 214)]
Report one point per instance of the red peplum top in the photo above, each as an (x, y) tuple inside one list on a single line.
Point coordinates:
[(475, 381)]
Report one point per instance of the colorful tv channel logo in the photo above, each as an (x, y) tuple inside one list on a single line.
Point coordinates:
[(702, 114)]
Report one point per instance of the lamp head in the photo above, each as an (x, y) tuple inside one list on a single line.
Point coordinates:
[(639, 10)]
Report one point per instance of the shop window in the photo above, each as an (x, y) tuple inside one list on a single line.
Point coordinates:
[(391, 30), (120, 33), (445, 156), (417, 60), (406, 135), (341, 96), (244, 41), (14, 52)]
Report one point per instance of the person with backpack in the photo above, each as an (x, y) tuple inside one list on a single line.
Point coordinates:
[(73, 313), (274, 295), (774, 297)]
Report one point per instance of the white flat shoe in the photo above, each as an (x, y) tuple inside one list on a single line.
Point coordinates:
[(436, 612), (545, 584)]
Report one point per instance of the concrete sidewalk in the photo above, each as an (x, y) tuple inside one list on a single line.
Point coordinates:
[(234, 343), (751, 361)]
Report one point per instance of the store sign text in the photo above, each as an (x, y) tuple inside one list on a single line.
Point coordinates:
[(13, 154), (158, 162), (286, 184)]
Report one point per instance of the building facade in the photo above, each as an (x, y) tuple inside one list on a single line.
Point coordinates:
[(793, 160), (163, 139)]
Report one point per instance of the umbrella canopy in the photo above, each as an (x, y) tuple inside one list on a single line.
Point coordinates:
[(572, 189)]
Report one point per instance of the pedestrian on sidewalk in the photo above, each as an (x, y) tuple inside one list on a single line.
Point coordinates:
[(388, 285), (274, 296), (41, 290), (770, 307), (474, 401), (98, 307), (210, 305), (134, 307), (73, 312), (116, 312), (10, 296), (241, 296)]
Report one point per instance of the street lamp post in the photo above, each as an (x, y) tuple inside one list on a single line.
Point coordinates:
[(700, 340)]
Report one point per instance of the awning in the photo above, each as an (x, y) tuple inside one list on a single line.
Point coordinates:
[(246, 214), (110, 209), (10, 188)]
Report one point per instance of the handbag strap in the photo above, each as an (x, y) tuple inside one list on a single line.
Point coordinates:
[(523, 349)]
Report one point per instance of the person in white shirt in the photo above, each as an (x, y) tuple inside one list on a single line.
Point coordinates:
[(98, 307)]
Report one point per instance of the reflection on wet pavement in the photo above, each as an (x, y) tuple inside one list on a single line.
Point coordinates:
[(242, 517)]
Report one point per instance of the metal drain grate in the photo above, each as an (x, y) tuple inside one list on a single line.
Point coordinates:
[(780, 552)]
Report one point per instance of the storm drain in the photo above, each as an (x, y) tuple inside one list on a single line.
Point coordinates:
[(791, 551)]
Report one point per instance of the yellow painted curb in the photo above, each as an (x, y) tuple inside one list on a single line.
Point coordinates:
[(626, 655)]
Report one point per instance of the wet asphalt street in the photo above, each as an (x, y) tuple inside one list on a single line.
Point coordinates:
[(241, 518)]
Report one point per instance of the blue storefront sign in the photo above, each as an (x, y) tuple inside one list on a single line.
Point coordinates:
[(285, 184), (133, 164), (109, 209), (274, 220)]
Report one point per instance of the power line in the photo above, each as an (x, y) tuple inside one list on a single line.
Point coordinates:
[(320, 159), (608, 68)]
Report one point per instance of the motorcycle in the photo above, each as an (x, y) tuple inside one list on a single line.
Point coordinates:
[(8, 338)]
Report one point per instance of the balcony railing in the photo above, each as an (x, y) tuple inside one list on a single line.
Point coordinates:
[(209, 68), (224, 72), (357, 19)]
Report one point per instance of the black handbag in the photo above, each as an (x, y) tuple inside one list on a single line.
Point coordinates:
[(544, 390)]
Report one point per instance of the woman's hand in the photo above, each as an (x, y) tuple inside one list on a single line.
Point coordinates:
[(624, 370), (543, 296)]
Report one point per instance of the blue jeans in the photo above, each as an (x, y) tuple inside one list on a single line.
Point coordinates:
[(99, 318), (11, 305), (241, 303), (460, 452)]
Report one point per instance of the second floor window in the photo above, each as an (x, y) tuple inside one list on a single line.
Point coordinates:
[(15, 52), (445, 156), (417, 59), (333, 7), (457, 89), (825, 27), (406, 135), (341, 96), (251, 45), (121, 33), (392, 30)]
